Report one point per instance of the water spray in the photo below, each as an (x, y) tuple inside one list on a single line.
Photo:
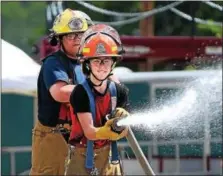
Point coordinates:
[(200, 97)]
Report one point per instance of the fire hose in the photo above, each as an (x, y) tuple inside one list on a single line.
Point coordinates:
[(134, 146)]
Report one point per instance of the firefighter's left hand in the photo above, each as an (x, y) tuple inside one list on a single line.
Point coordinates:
[(120, 112)]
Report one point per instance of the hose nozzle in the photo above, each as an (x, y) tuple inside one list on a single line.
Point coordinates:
[(118, 128)]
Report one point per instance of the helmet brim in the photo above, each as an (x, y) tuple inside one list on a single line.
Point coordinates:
[(85, 58), (105, 55)]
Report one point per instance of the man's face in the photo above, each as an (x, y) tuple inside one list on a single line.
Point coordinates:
[(101, 66), (71, 42)]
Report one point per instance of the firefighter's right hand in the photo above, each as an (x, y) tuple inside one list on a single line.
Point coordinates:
[(105, 132)]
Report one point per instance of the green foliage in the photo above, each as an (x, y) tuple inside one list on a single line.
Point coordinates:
[(168, 23), (215, 30), (123, 6), (210, 14), (24, 22)]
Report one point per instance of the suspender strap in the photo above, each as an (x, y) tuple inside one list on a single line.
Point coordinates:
[(89, 164), (80, 77), (114, 147)]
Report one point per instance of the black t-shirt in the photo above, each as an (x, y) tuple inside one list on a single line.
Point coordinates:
[(52, 70), (80, 101)]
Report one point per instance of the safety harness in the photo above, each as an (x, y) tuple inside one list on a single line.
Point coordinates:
[(89, 163)]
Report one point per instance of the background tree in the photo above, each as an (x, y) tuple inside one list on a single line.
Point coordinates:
[(24, 23)]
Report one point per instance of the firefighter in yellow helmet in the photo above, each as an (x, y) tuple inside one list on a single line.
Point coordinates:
[(57, 79)]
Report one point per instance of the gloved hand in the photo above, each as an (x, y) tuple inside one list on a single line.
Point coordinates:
[(119, 113), (105, 132)]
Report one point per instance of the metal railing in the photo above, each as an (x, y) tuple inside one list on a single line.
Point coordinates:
[(13, 150), (176, 143)]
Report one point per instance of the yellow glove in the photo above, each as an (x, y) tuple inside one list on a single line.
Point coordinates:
[(120, 112), (105, 132)]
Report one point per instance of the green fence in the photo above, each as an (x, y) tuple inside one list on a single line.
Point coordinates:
[(16, 129)]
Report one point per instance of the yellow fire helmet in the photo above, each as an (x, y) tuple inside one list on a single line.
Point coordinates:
[(71, 21)]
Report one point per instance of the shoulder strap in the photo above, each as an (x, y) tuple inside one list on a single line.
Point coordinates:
[(113, 92), (80, 77), (90, 144), (114, 147)]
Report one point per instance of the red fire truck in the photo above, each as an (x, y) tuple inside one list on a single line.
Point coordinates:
[(159, 53)]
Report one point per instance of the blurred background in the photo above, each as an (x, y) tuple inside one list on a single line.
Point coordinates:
[(176, 38)]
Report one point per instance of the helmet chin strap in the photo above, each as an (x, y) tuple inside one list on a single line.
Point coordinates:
[(102, 80)]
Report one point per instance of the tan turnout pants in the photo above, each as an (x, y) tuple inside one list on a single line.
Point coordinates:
[(49, 151), (75, 162)]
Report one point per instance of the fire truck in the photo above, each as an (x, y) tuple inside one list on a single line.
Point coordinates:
[(158, 53)]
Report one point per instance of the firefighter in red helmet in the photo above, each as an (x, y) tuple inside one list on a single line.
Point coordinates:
[(93, 140)]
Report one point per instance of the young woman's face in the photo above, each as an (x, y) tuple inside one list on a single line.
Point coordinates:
[(101, 66), (71, 43)]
